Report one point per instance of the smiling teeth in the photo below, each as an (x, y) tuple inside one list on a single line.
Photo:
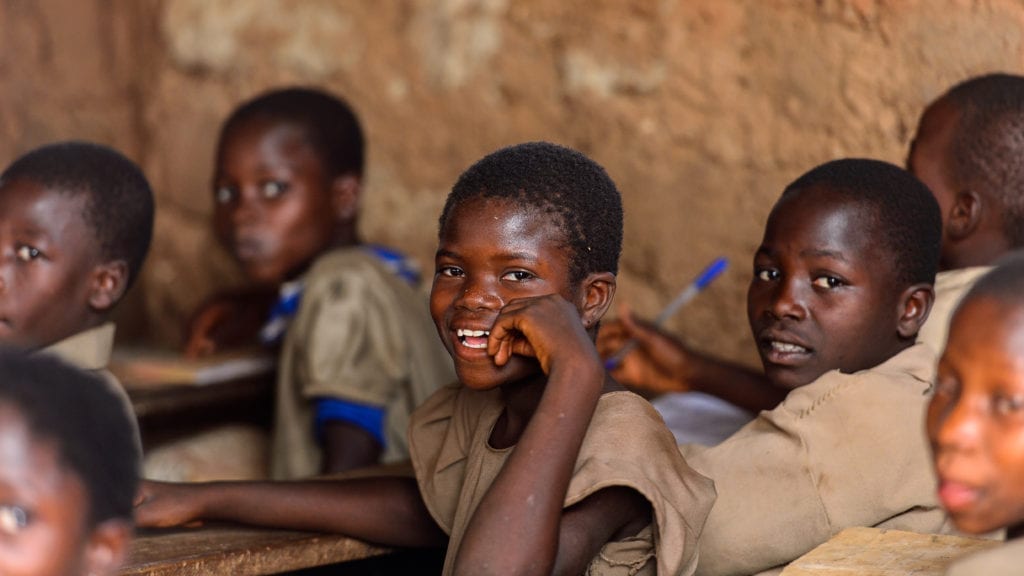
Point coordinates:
[(787, 347), (463, 334)]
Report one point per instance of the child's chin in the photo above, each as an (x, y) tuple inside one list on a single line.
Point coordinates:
[(488, 376)]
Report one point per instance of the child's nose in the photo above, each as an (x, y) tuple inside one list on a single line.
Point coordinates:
[(245, 210), (788, 301), (478, 296), (960, 427)]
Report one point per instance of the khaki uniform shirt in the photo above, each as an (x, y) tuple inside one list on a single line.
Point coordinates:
[(90, 350), (950, 288), (1005, 560), (626, 444), (361, 334), (845, 450)]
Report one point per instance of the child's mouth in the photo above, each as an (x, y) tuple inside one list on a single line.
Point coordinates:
[(473, 338), (784, 353), (787, 348)]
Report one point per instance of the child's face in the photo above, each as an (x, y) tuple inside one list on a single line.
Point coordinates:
[(491, 252), (43, 507), (822, 296), (929, 158), (272, 198), (47, 256), (976, 417)]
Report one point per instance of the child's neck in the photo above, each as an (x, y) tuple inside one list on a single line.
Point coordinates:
[(345, 236)]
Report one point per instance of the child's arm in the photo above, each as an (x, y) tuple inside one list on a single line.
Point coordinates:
[(347, 446), (386, 510), (520, 525), (661, 363)]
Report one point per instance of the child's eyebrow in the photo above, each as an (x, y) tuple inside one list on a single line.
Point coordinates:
[(527, 256), (822, 253), (442, 253)]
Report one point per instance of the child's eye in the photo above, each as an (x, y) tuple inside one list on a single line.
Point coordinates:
[(766, 274), (272, 189), (27, 253), (1007, 405), (518, 276), (828, 282), (13, 519), (450, 271), (224, 194)]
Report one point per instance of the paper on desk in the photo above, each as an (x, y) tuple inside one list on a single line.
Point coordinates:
[(138, 368)]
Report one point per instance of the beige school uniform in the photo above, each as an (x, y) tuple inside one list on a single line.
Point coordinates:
[(950, 288), (626, 444), (361, 334), (845, 450), (1005, 560), (90, 350)]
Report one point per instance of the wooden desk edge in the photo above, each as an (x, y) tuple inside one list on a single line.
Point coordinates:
[(240, 551)]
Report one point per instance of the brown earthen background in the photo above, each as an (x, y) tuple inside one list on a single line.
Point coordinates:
[(702, 110)]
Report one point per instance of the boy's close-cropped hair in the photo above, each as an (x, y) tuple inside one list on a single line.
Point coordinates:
[(84, 419), (907, 217), (558, 181), (987, 151), (330, 126), (119, 206)]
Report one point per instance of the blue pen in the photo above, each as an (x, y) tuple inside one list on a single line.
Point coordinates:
[(705, 278)]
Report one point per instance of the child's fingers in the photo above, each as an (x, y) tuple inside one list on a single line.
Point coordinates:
[(610, 338)]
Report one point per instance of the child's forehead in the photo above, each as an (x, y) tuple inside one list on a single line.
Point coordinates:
[(491, 220), (262, 131), (821, 209), (29, 196), (997, 315), (500, 208)]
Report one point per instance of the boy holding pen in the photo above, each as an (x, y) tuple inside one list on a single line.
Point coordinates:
[(841, 284), (968, 151)]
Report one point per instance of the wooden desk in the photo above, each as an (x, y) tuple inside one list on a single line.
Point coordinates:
[(167, 410), (231, 550), (875, 552)]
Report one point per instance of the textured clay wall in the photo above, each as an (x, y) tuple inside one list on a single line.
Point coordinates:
[(701, 110)]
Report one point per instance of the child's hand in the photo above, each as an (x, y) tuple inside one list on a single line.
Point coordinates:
[(163, 504), (201, 337), (657, 363), (543, 327), (226, 321)]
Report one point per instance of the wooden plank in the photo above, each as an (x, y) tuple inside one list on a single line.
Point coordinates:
[(231, 550), (875, 552)]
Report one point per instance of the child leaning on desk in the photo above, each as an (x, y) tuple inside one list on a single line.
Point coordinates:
[(536, 461), (357, 349), (976, 418), (841, 283), (68, 470)]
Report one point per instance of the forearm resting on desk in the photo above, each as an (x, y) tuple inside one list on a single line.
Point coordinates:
[(384, 510)]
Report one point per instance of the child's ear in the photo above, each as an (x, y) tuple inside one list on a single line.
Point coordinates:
[(345, 191), (596, 293), (964, 215), (108, 283), (915, 304), (107, 547)]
